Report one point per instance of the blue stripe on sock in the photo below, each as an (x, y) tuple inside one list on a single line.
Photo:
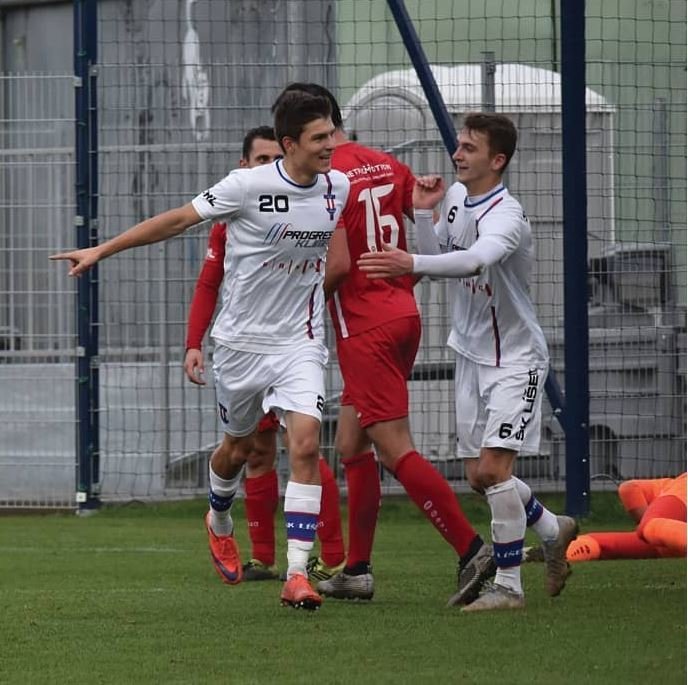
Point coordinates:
[(533, 511), (508, 554), (219, 503), (301, 526)]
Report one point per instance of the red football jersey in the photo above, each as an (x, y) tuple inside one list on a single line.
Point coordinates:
[(381, 190)]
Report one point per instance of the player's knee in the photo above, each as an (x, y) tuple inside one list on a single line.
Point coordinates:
[(260, 460), (475, 481), (626, 490), (344, 445), (304, 448), (470, 469), (484, 477), (350, 443), (229, 456)]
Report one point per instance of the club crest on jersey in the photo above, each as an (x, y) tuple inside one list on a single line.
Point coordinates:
[(330, 206)]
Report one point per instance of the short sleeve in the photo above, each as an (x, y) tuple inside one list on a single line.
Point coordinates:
[(451, 211), (225, 198), (406, 181)]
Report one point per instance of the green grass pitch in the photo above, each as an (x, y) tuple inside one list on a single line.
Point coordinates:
[(129, 596)]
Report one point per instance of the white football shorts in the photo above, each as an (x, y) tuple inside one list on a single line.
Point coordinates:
[(248, 384), (497, 407)]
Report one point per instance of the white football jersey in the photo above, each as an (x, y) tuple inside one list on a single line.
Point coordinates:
[(272, 294), (493, 318)]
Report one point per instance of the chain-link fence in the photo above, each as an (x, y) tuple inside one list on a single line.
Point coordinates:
[(179, 83)]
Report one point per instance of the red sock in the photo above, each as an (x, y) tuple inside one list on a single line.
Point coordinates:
[(433, 496), (330, 519), (363, 485), (261, 504)]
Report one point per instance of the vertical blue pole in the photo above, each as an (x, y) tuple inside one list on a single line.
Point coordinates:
[(575, 256), (86, 140), (425, 76)]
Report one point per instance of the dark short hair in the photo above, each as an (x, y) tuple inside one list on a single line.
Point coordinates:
[(500, 131), (318, 90), (262, 132), (295, 109)]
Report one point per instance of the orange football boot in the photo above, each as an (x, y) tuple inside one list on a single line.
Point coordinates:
[(225, 555), (298, 593)]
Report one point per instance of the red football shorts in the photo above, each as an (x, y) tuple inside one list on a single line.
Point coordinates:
[(375, 366), (269, 422)]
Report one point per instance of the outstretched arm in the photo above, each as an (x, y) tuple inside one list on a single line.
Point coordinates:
[(393, 262), (153, 230)]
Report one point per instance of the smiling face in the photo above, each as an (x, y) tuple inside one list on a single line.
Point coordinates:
[(477, 167), (311, 152)]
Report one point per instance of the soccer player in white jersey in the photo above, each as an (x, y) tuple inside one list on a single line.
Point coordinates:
[(261, 491), (501, 353), (270, 352)]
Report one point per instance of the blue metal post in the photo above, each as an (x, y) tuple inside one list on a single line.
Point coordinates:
[(575, 256), (425, 76), (86, 143), (448, 132)]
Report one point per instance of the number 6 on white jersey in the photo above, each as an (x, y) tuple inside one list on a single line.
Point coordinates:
[(375, 221)]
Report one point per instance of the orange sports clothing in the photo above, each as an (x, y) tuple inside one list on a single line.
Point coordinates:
[(664, 521), (667, 534), (676, 488), (375, 366), (638, 493), (660, 533), (603, 546)]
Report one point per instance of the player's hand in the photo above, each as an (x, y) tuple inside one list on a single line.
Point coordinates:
[(389, 263), (81, 260), (193, 366), (428, 191)]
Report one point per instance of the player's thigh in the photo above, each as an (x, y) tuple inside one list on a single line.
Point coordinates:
[(350, 438), (375, 366), (298, 384), (513, 407), (240, 381), (470, 409)]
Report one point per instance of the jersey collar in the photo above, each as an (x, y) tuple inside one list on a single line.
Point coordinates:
[(285, 177), (480, 199)]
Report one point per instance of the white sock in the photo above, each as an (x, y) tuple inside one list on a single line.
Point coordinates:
[(301, 510), (221, 495), (508, 529), (538, 517)]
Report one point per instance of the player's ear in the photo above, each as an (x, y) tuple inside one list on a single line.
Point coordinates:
[(498, 162), (243, 163), (288, 144)]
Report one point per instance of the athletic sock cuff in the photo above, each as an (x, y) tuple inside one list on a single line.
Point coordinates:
[(359, 459), (260, 483), (401, 462)]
